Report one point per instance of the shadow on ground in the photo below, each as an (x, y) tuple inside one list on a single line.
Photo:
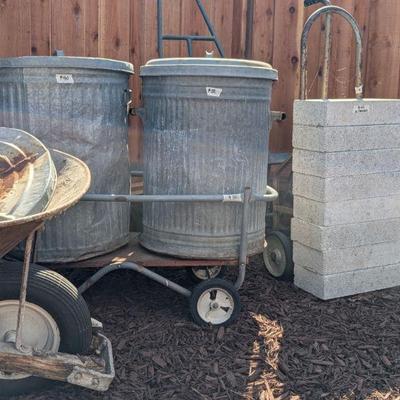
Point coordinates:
[(286, 344)]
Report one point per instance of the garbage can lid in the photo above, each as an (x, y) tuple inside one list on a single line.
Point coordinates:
[(206, 66), (66, 62)]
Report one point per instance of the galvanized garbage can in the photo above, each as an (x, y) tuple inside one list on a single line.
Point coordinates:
[(77, 105), (206, 131)]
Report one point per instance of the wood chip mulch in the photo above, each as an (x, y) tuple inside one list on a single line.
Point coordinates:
[(286, 344)]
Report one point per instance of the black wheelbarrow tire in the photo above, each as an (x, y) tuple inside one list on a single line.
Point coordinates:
[(220, 293), (278, 256), (51, 292)]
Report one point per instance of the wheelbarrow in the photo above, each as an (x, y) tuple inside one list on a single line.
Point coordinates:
[(44, 321)]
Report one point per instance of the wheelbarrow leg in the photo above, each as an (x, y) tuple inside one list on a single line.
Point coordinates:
[(22, 296)]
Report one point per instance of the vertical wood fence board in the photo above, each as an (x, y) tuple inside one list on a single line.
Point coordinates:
[(384, 49), (15, 28), (149, 33), (40, 27), (114, 20), (263, 30), (172, 25), (91, 10), (239, 20), (361, 14), (222, 20), (315, 54), (136, 55), (287, 31), (342, 55), (68, 27)]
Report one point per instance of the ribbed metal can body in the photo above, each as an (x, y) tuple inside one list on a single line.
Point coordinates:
[(204, 135), (82, 110)]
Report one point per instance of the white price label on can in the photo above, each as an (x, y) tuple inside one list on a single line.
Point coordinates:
[(232, 198), (64, 78), (213, 92)]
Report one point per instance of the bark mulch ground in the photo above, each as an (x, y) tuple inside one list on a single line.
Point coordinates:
[(286, 344)]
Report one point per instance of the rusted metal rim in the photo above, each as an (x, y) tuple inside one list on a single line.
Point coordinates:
[(72, 183), (27, 174), (41, 331)]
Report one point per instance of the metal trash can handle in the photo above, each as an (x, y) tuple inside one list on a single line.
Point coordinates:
[(270, 195), (128, 99), (304, 41)]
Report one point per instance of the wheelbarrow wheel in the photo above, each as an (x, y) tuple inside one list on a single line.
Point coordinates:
[(201, 274), (56, 319), (277, 256), (214, 302)]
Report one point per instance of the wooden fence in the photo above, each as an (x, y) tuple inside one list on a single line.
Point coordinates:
[(267, 30)]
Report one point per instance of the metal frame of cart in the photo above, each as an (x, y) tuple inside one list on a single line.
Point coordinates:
[(79, 370), (137, 263)]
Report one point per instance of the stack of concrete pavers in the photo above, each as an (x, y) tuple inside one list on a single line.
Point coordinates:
[(346, 185)]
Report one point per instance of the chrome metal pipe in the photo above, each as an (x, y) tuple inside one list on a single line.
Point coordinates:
[(134, 267), (243, 239), (228, 198)]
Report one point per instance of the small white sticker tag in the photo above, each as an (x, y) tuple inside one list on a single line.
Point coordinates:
[(360, 108), (232, 198), (213, 92), (64, 78)]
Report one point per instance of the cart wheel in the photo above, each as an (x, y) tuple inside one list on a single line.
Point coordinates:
[(200, 274), (56, 319), (214, 302), (278, 256)]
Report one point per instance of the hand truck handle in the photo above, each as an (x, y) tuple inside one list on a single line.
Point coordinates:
[(308, 3), (304, 42)]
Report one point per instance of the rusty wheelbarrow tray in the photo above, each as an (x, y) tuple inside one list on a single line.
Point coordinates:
[(27, 174), (94, 372), (72, 183)]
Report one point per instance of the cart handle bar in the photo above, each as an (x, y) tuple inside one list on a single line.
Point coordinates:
[(304, 41), (270, 195)]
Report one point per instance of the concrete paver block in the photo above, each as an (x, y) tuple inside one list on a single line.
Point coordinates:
[(346, 212), (335, 261), (346, 163), (346, 187), (346, 112), (345, 236), (348, 283), (346, 138)]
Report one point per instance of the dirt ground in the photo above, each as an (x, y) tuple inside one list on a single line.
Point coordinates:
[(286, 344)]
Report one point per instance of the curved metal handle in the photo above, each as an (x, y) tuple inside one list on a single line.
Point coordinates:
[(270, 195), (304, 41), (128, 99)]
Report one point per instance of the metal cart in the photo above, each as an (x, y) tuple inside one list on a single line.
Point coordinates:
[(213, 301), (44, 320)]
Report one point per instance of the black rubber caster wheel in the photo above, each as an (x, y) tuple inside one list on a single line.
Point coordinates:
[(214, 302), (278, 257), (201, 274)]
